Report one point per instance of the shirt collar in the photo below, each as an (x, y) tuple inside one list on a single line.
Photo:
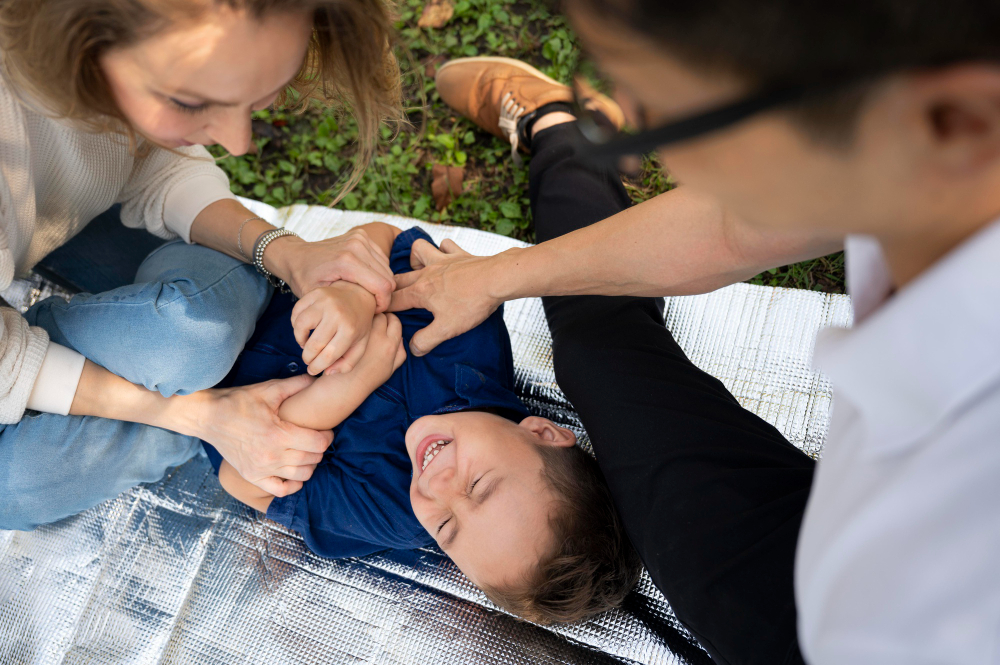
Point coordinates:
[(479, 391), (915, 358), (868, 278)]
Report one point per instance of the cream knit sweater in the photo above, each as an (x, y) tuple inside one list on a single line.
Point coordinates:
[(55, 178)]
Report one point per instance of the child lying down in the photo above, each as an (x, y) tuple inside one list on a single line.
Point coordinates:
[(439, 449)]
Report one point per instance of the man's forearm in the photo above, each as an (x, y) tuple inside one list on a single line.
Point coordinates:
[(678, 243)]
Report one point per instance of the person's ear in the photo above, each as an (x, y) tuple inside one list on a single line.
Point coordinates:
[(548, 433), (960, 116)]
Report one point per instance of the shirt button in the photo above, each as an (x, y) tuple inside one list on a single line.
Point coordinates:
[(293, 366)]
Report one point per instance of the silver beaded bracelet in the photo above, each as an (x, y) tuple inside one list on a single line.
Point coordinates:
[(263, 241)]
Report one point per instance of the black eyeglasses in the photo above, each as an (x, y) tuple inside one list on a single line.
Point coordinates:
[(606, 142)]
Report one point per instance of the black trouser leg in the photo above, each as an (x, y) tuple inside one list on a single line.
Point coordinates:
[(711, 495)]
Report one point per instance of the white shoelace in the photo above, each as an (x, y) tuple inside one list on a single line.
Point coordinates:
[(510, 113)]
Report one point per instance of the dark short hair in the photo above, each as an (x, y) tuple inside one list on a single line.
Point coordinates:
[(592, 566), (778, 43)]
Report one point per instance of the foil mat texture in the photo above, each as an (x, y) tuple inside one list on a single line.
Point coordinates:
[(177, 572)]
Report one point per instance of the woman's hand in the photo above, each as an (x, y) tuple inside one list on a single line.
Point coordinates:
[(243, 425), (454, 285), (227, 226), (352, 257), (332, 324), (243, 490)]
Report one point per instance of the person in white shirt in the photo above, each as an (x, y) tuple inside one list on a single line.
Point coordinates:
[(105, 102), (794, 129)]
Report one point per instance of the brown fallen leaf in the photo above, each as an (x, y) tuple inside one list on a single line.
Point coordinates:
[(446, 184), (436, 14), (432, 63)]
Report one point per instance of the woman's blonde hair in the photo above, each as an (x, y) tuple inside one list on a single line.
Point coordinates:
[(51, 49)]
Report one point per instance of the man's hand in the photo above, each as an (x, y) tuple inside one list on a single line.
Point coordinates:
[(352, 257), (332, 324), (456, 287), (243, 425)]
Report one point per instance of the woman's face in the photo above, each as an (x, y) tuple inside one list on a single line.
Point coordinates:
[(198, 83)]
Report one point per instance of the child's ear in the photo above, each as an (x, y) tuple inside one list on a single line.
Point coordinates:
[(548, 432)]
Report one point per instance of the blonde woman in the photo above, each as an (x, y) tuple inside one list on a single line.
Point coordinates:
[(112, 101)]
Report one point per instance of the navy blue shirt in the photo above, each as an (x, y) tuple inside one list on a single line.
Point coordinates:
[(358, 499)]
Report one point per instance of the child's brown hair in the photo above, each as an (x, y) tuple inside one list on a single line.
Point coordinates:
[(593, 566), (51, 50)]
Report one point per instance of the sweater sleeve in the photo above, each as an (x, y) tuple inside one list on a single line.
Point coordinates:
[(22, 351), (167, 189)]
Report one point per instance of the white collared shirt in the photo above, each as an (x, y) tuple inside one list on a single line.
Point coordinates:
[(898, 562)]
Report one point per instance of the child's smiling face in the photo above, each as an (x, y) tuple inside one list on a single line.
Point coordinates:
[(478, 488)]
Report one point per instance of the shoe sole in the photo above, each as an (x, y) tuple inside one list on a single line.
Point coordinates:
[(523, 66)]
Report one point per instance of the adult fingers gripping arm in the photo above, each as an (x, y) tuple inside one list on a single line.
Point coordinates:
[(242, 489), (317, 264), (678, 243), (353, 257), (242, 423)]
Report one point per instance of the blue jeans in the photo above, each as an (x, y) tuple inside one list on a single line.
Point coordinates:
[(177, 329)]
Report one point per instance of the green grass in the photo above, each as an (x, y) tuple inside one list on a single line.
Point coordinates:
[(307, 158)]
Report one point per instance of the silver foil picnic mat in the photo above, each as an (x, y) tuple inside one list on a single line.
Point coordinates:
[(177, 572)]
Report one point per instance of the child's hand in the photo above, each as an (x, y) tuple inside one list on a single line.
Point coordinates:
[(330, 399), (332, 324), (385, 351)]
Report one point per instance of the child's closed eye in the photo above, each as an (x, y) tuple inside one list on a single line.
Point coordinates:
[(441, 526), (473, 486), (468, 494)]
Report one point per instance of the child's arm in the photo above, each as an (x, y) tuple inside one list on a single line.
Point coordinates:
[(330, 399), (382, 234), (333, 397), (331, 322)]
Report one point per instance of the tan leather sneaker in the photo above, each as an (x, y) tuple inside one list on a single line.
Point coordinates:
[(501, 94)]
